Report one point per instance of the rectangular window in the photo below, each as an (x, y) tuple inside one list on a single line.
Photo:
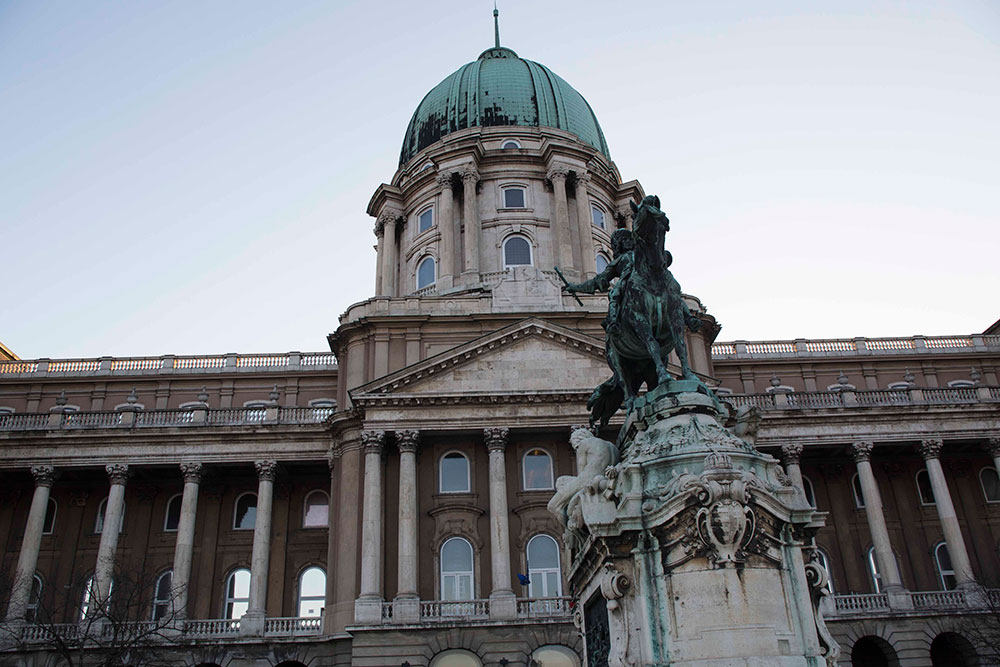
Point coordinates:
[(513, 198), (425, 220)]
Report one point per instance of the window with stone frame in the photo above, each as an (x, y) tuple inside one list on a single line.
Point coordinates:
[(544, 567), (426, 272), (537, 469), (807, 489), (514, 197), (946, 571), (172, 517), (990, 482), (597, 216), (163, 596), (457, 570), (49, 524), (245, 512), (516, 252), (453, 475), (312, 592), (924, 489), (859, 496), (237, 593), (316, 510), (425, 219), (601, 261)]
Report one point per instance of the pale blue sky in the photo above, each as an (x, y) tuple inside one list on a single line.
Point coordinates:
[(192, 177)]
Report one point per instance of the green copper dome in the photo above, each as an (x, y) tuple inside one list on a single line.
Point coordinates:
[(500, 89)]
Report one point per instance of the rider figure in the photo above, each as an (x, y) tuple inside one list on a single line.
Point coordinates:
[(620, 267)]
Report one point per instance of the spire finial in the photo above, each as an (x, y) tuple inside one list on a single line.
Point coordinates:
[(496, 23)]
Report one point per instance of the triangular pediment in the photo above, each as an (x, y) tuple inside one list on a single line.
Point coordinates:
[(532, 355)]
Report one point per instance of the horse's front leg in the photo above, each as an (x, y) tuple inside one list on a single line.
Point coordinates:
[(680, 345), (645, 330), (615, 361)]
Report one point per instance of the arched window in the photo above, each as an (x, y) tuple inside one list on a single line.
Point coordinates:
[(946, 572), (859, 496), (873, 570), (537, 467), (924, 488), (597, 216), (88, 596), (425, 220), (102, 509), (544, 570), (245, 512), (34, 597), (456, 658), (824, 560), (237, 593), (162, 596), (516, 252), (456, 569), (172, 518), (454, 473), (554, 656), (50, 518), (316, 510), (807, 488), (312, 592), (514, 197), (426, 273), (509, 144), (990, 482), (602, 262)]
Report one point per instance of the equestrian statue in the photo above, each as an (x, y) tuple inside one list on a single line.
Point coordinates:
[(646, 317)]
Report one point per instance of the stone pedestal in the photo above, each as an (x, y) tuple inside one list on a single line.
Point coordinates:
[(689, 546)]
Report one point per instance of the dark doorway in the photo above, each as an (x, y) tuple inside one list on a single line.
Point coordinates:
[(873, 651), (950, 649)]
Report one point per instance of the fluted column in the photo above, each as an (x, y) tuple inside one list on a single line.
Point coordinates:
[(889, 571), (260, 558), (406, 605), (379, 251), (368, 608), (563, 245), (585, 227), (930, 450), (446, 228), (470, 216), (791, 453), (993, 447), (390, 261), (103, 573), (27, 560), (502, 601), (184, 549)]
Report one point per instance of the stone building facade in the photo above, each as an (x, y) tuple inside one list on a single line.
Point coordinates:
[(379, 504)]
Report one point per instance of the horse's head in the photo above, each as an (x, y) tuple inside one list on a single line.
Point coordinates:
[(648, 211)]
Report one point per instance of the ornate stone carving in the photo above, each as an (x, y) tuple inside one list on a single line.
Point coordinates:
[(496, 438), (748, 419), (993, 445), (444, 179), (791, 452), (117, 472), (266, 470), (862, 450), (595, 458), (557, 172), (387, 218), (931, 448), (407, 441), (192, 471), (469, 175), (623, 214), (725, 523), (372, 441), (614, 586), (43, 475)]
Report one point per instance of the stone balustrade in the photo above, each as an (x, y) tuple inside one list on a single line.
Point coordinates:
[(819, 400), (162, 418), (170, 364), (923, 602), (854, 347), (556, 610)]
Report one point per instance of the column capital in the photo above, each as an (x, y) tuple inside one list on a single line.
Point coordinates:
[(862, 450), (192, 471), (496, 438), (43, 475), (469, 173), (388, 216), (266, 469), (622, 215), (930, 448), (582, 178), (557, 172), (444, 179), (372, 441), (117, 472), (792, 452), (407, 441), (993, 445)]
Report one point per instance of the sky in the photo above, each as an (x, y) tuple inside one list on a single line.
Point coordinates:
[(192, 177)]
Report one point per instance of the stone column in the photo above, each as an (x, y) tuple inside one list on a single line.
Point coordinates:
[(791, 453), (390, 261), (252, 622), (406, 604), (332, 571), (470, 215), (563, 246), (368, 607), (588, 254), (27, 560), (993, 447), (103, 573), (930, 450), (184, 550), (446, 228), (380, 235), (502, 601), (889, 571)]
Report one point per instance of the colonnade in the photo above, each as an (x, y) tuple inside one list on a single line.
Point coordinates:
[(888, 568), (406, 604), (462, 265)]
